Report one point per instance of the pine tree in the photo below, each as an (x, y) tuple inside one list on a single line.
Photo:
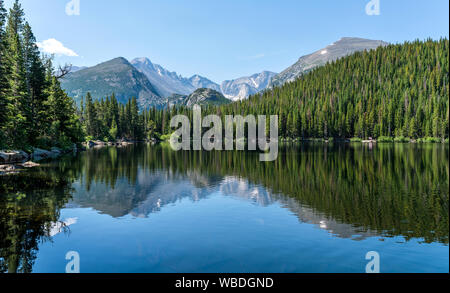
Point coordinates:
[(17, 89), (33, 107), (113, 130), (36, 84), (3, 82), (64, 126), (90, 115)]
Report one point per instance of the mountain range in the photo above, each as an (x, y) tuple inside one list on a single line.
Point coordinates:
[(168, 83), (154, 85), (337, 50)]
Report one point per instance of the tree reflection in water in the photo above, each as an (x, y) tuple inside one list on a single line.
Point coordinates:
[(388, 190), (29, 208)]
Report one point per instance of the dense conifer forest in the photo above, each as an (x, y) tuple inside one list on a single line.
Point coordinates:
[(395, 91), (400, 91), (34, 110)]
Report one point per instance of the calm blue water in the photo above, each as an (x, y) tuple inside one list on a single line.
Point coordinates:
[(149, 210)]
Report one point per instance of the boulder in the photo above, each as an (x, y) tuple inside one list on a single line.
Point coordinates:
[(10, 169), (56, 151), (3, 157), (30, 164), (99, 143), (10, 157), (7, 168), (39, 154), (95, 143)]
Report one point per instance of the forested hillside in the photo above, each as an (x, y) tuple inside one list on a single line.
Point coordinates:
[(398, 90), (394, 91)]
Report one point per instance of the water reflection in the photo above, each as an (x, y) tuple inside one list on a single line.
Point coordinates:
[(352, 192), (29, 213), (393, 190)]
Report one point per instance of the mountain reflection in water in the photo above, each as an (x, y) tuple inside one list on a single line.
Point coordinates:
[(350, 191)]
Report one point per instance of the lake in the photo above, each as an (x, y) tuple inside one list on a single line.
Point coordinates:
[(146, 209)]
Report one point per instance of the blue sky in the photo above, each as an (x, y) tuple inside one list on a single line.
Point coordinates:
[(224, 39)]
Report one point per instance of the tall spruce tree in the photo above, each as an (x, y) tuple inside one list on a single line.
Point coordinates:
[(16, 76), (32, 103), (90, 116), (62, 113), (3, 82), (36, 84)]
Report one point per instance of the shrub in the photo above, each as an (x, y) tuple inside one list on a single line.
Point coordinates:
[(165, 137), (355, 139), (385, 139), (65, 142), (401, 139), (429, 140), (44, 142)]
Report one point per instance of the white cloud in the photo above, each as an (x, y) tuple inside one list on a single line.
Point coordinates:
[(53, 46)]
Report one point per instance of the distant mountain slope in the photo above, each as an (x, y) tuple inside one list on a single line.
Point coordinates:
[(243, 87), (176, 99), (339, 49), (202, 96), (198, 82), (165, 82), (77, 68), (206, 96), (115, 76), (168, 83)]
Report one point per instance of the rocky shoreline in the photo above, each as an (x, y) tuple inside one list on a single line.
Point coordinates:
[(12, 162), (99, 143)]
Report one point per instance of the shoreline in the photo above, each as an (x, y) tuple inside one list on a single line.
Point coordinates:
[(13, 162), (27, 160), (393, 140)]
